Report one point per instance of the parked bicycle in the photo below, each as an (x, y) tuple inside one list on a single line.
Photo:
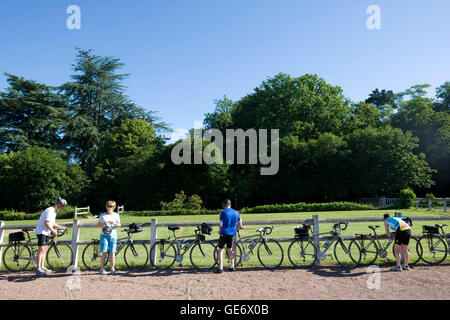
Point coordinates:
[(18, 256), (433, 246), (168, 251), (302, 252), (269, 251), (372, 247), (135, 254)]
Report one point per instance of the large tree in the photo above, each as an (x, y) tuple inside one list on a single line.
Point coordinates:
[(31, 114), (98, 103)]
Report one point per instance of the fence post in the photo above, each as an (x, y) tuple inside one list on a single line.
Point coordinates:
[(2, 232), (153, 236), (429, 204), (316, 236), (75, 238), (417, 203), (445, 204)]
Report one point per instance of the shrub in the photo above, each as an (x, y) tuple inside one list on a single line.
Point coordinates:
[(308, 207), (405, 198), (182, 201)]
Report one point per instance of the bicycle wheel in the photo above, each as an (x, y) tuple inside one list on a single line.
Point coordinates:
[(202, 256), (369, 251), (59, 256), (345, 257), (16, 257), (270, 254), (302, 253), (434, 249), (165, 255), (413, 255), (237, 252), (135, 256), (92, 256)]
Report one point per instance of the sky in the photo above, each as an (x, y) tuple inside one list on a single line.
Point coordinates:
[(182, 55)]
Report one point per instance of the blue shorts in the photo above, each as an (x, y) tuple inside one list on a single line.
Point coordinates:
[(108, 243)]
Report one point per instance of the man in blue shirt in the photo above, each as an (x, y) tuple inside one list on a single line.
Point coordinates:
[(229, 221), (402, 236)]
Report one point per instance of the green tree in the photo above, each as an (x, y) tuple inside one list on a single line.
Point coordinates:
[(384, 100), (383, 161), (98, 103), (125, 147), (34, 178), (31, 114)]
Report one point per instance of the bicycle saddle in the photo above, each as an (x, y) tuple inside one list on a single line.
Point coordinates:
[(27, 229), (173, 228), (440, 225), (373, 227)]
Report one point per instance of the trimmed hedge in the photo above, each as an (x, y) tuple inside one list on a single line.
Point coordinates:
[(67, 213), (308, 207)]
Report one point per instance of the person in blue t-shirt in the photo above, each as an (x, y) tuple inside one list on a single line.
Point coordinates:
[(402, 236), (229, 221)]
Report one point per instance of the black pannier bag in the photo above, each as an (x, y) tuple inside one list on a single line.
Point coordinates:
[(17, 236), (206, 228), (134, 228), (430, 229), (302, 232)]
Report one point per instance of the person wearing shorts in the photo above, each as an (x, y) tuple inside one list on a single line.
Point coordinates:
[(229, 221), (401, 242), (108, 221), (45, 226)]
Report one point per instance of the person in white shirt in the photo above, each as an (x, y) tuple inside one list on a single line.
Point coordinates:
[(46, 225), (108, 221)]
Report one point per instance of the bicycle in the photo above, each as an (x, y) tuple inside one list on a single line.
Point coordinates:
[(201, 251), (371, 247), (437, 244), (270, 253), (302, 252), (135, 254), (18, 256)]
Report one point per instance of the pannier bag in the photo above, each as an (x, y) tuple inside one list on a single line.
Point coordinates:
[(206, 228), (16, 236), (430, 229), (134, 228), (302, 232)]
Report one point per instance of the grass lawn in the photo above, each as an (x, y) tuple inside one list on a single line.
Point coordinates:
[(280, 231)]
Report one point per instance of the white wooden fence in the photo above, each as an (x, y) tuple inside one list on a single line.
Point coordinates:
[(77, 225)]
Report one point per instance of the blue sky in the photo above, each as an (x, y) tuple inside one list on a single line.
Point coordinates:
[(181, 55)]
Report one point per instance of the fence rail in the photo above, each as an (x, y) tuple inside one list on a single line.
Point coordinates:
[(76, 226)]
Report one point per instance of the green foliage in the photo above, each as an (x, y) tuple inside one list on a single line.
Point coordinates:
[(182, 201), (31, 114), (430, 196), (308, 207), (405, 198), (34, 178), (10, 215)]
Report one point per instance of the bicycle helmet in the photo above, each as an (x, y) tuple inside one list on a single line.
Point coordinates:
[(61, 201), (107, 230)]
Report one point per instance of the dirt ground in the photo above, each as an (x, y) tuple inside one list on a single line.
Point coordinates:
[(286, 283)]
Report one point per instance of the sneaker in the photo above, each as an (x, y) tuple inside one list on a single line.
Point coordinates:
[(113, 272), (219, 270), (103, 272), (405, 267), (46, 270), (396, 268), (232, 269)]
